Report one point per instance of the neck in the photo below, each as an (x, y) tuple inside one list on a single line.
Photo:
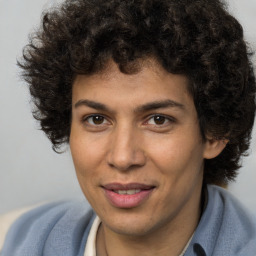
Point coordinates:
[(169, 240)]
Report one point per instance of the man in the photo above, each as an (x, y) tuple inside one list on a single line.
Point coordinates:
[(157, 101)]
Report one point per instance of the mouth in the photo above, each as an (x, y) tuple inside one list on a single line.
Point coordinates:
[(127, 195)]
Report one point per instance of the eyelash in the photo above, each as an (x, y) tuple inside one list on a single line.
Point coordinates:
[(86, 118), (166, 120)]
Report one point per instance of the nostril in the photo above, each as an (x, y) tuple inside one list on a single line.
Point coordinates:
[(126, 164)]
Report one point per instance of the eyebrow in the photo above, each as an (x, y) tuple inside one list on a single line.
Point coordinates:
[(91, 104), (143, 108), (159, 104)]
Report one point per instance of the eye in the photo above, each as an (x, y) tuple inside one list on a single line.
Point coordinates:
[(159, 120), (95, 120)]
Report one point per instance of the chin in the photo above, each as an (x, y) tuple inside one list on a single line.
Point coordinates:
[(135, 226)]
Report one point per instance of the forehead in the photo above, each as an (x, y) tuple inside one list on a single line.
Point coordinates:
[(141, 74), (149, 84)]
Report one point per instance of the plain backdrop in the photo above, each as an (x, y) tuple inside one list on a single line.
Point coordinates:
[(30, 172)]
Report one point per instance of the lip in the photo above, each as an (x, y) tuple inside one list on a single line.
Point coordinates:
[(127, 201)]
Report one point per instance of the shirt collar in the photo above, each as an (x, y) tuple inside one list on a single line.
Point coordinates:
[(90, 249), (225, 228)]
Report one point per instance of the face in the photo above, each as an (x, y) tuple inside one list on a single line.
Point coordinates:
[(137, 149)]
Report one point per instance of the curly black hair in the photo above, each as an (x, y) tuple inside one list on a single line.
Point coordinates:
[(198, 39)]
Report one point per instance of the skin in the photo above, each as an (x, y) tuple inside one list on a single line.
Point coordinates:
[(127, 143)]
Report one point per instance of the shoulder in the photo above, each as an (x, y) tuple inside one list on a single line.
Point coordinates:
[(221, 200), (226, 227), (7, 219), (51, 228)]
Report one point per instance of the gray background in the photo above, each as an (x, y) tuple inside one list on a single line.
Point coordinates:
[(30, 172)]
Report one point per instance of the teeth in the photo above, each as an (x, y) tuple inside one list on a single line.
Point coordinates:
[(128, 192), (121, 192)]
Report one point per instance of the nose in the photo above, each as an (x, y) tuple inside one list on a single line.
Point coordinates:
[(126, 151)]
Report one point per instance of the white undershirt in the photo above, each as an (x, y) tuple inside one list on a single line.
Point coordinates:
[(90, 248)]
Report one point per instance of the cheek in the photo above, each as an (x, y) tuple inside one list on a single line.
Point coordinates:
[(84, 165), (177, 156), (86, 153)]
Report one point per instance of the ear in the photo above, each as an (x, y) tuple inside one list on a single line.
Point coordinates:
[(213, 147)]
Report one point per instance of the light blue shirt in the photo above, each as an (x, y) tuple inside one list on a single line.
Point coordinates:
[(61, 229), (225, 228)]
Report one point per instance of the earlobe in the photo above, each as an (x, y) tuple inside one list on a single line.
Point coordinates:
[(213, 147)]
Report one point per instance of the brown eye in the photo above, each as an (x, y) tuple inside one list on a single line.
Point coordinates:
[(95, 120), (158, 120), (98, 119)]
